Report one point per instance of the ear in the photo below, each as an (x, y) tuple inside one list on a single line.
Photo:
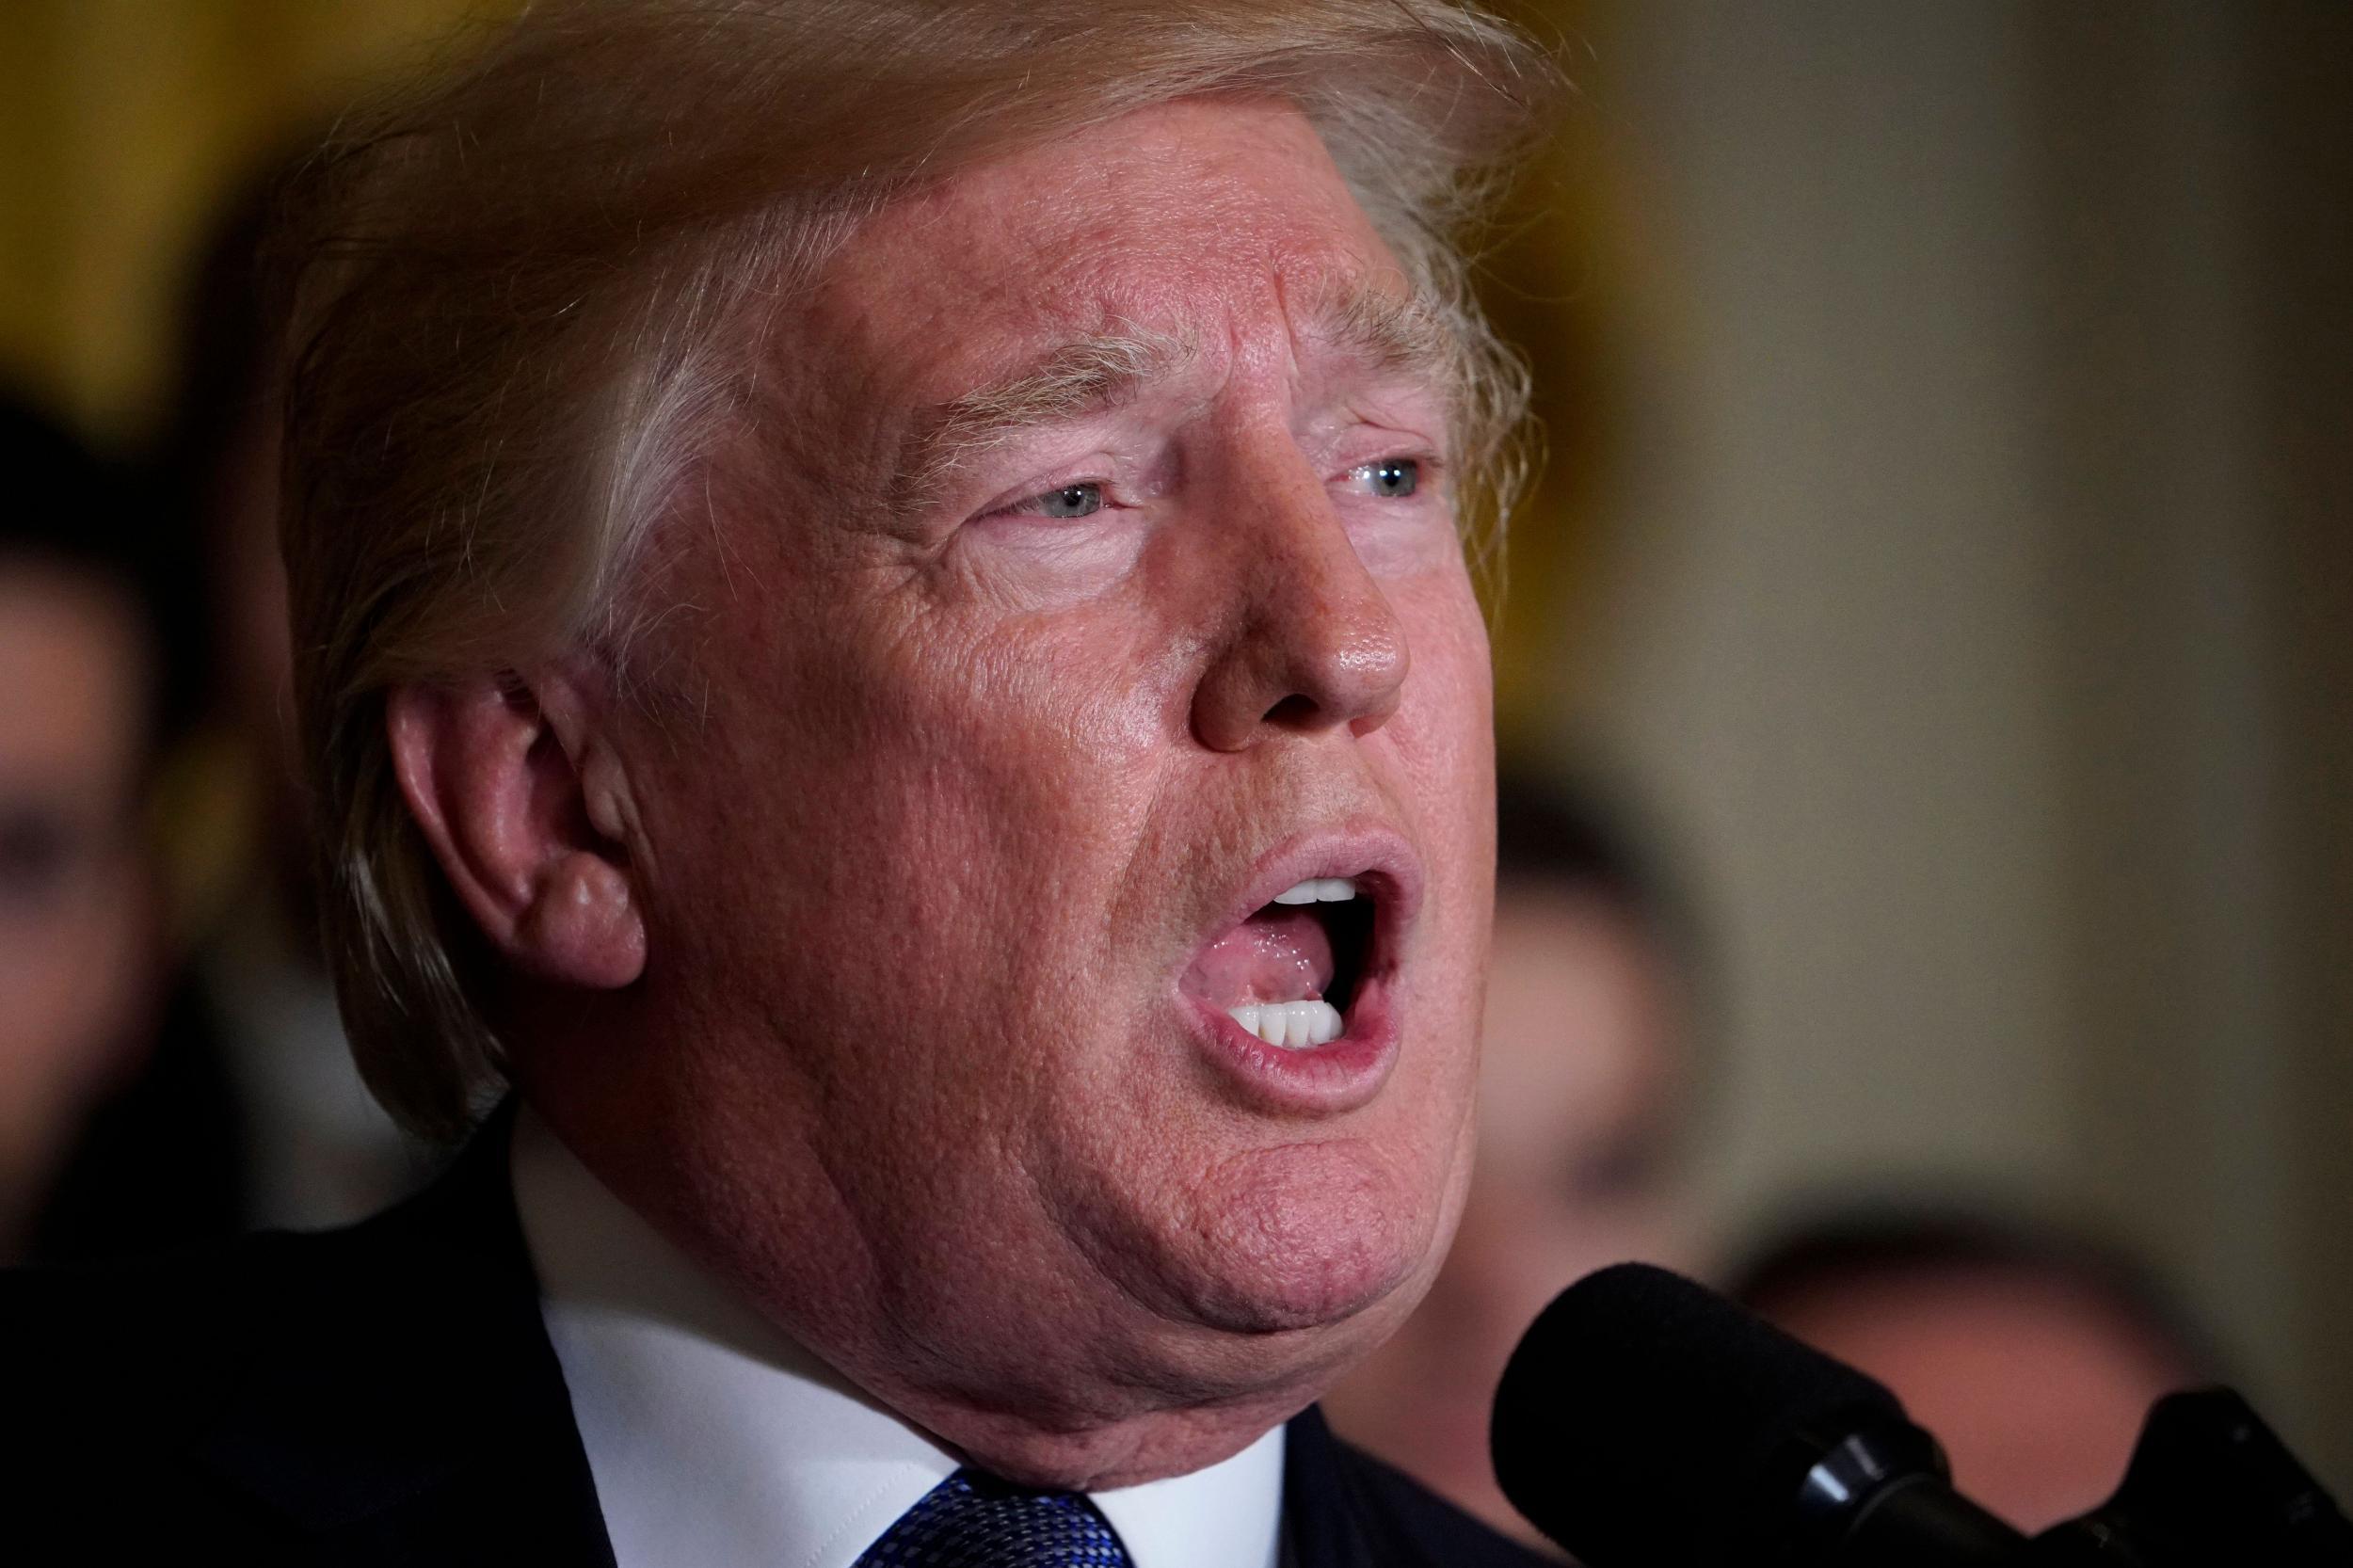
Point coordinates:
[(527, 812)]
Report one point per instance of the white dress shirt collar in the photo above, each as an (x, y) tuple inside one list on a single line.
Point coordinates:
[(715, 1441)]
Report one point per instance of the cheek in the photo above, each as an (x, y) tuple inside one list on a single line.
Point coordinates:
[(1442, 740), (903, 829), (1448, 706), (1054, 710), (74, 997)]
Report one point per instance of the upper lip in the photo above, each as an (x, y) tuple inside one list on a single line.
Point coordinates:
[(1377, 857)]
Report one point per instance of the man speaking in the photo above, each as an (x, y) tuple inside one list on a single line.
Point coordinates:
[(901, 742)]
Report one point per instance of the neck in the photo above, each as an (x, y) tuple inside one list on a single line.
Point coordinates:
[(1073, 1428), (1100, 1456)]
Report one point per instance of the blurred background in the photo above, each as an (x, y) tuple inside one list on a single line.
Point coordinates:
[(1928, 654)]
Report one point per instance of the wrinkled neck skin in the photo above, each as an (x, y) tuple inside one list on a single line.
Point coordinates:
[(1085, 1423), (1120, 1452), (1137, 1397)]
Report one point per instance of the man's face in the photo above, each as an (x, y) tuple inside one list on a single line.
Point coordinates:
[(1084, 580), (74, 911)]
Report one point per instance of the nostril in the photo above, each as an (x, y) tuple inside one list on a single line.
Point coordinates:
[(1294, 712)]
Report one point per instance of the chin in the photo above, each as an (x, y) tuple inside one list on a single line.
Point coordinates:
[(1309, 1236)]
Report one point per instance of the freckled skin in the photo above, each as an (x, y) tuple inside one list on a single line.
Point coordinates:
[(959, 796)]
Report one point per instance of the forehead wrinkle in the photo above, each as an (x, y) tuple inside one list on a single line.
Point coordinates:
[(1077, 378)]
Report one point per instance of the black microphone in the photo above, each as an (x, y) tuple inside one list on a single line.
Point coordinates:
[(1646, 1422)]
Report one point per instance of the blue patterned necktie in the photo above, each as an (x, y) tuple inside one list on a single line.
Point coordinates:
[(972, 1520)]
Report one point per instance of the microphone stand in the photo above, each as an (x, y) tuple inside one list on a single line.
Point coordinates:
[(2209, 1485)]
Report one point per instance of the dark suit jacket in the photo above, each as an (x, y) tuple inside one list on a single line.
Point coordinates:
[(386, 1394)]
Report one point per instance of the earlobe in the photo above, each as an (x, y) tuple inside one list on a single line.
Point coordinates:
[(583, 928), (500, 800)]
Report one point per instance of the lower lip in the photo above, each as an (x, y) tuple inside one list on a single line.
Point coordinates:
[(1316, 1080)]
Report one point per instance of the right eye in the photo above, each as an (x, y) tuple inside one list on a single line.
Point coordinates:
[(1062, 502)]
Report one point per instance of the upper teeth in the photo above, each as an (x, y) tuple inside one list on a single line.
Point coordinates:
[(1318, 890)]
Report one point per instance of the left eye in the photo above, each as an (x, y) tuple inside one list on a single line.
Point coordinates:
[(1393, 478), (1070, 501)]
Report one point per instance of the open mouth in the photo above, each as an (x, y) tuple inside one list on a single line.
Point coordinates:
[(1291, 970)]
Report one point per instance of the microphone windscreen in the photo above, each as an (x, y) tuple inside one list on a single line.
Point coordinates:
[(1645, 1420)]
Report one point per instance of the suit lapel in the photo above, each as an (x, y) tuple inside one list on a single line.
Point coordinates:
[(1344, 1509), (1323, 1523), (419, 1414)]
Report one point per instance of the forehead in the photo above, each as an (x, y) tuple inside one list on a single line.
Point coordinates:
[(1222, 223)]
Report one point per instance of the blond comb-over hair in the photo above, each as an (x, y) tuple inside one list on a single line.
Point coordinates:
[(523, 297)]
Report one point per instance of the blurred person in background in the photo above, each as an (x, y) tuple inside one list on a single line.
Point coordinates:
[(80, 927), (317, 1149), (1584, 1100), (2034, 1357)]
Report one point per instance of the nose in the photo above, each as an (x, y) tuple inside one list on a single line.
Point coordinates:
[(1317, 644)]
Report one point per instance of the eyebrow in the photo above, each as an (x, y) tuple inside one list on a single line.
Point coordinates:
[(1394, 335), (1086, 377)]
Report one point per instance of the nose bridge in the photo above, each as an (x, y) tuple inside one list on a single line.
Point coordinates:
[(1317, 642)]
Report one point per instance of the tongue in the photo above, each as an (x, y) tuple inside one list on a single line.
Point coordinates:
[(1281, 953)]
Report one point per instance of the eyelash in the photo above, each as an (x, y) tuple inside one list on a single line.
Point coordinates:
[(1422, 467)]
